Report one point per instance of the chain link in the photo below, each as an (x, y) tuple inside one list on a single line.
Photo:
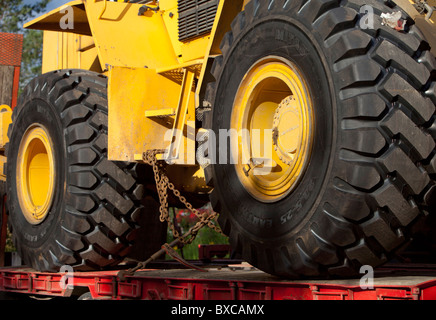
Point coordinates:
[(163, 184)]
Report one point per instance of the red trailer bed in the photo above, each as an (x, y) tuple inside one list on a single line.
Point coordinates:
[(397, 282)]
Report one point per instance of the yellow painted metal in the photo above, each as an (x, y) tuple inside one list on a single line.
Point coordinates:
[(104, 8), (188, 178), (185, 100), (273, 105), (123, 38), (36, 174), (3, 161), (192, 64), (115, 29), (194, 49), (130, 132), (290, 130), (170, 15), (160, 113), (68, 50), (155, 84), (142, 55), (5, 121)]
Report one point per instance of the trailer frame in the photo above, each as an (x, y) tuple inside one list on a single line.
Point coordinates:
[(232, 283)]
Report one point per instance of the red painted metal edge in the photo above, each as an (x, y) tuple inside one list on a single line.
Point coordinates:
[(217, 285), (3, 229), (15, 86)]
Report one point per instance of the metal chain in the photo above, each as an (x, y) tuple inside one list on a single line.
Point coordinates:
[(163, 184)]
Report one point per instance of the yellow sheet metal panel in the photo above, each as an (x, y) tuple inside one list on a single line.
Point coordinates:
[(67, 50), (195, 49), (160, 113), (5, 121), (2, 164), (49, 51), (87, 54), (130, 131), (133, 47), (169, 12), (188, 178), (124, 38)]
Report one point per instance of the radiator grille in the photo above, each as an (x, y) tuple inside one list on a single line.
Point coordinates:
[(196, 17)]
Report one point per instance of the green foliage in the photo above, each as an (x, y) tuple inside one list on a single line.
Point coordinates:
[(205, 236), (32, 56), (184, 220), (9, 244), (13, 14)]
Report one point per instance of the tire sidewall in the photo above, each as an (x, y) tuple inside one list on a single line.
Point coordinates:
[(283, 218), (35, 237)]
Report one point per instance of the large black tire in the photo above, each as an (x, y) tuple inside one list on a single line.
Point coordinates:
[(92, 220), (372, 167)]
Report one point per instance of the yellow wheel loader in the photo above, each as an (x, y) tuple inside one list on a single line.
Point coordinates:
[(308, 125)]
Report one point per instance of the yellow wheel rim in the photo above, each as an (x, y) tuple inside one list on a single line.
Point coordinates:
[(273, 115), (35, 174)]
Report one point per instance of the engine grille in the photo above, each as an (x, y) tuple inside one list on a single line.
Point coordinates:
[(196, 17)]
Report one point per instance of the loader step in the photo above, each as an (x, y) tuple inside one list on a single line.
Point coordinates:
[(161, 113)]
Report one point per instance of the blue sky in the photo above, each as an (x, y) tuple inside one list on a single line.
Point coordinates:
[(53, 4)]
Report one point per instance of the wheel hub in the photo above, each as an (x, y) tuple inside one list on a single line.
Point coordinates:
[(287, 128), (273, 99), (35, 174)]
